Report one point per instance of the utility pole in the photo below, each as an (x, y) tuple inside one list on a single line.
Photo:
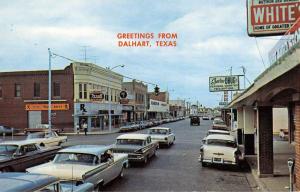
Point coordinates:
[(49, 90), (231, 110)]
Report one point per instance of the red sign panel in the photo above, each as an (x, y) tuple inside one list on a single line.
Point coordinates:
[(271, 17)]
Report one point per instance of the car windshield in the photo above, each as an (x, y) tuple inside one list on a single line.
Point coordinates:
[(75, 158), (8, 149), (219, 122), (35, 135), (158, 131), (130, 142), (221, 142)]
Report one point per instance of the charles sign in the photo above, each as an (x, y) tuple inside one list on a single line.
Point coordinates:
[(224, 83)]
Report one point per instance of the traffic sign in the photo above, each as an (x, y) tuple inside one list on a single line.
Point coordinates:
[(123, 94)]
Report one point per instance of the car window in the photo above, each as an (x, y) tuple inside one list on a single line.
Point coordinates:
[(8, 149), (50, 188), (130, 142), (28, 148), (221, 142), (76, 158), (106, 156)]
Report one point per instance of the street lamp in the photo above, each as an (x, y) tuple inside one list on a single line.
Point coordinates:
[(109, 95)]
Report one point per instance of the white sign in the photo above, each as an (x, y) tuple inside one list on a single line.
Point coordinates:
[(271, 17), (158, 106), (286, 42), (224, 83)]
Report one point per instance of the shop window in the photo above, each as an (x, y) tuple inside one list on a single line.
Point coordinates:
[(80, 91), (85, 91), (56, 89), (36, 90), (17, 90)]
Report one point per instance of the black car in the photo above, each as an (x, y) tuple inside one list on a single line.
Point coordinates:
[(195, 120)]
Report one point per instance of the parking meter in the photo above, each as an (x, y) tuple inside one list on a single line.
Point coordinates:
[(291, 163)]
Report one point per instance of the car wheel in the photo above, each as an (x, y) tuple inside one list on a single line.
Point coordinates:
[(121, 174), (204, 164), (59, 143), (42, 145), (99, 187), (6, 169), (146, 160)]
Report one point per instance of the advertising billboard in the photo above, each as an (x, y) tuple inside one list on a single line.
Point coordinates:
[(224, 83), (271, 17)]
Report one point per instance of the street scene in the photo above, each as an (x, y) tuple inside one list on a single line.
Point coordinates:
[(130, 95)]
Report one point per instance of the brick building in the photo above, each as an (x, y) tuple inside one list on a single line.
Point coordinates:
[(24, 94), (135, 105)]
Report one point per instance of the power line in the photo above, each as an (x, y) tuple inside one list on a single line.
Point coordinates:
[(259, 52)]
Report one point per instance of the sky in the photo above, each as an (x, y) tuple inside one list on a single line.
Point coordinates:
[(212, 38)]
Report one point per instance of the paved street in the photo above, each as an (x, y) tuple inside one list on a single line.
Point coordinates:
[(176, 168)]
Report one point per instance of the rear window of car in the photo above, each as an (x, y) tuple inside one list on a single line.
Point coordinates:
[(130, 142), (221, 142)]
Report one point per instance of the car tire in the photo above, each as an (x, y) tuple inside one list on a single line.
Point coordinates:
[(59, 143), (6, 169), (42, 145), (204, 164), (100, 187), (145, 160), (121, 174)]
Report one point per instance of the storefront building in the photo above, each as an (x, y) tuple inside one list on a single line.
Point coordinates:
[(96, 90), (136, 99), (158, 105), (177, 108), (24, 98)]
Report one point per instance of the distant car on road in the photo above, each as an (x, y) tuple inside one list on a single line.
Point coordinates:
[(7, 130), (139, 147), (46, 139), (216, 131), (19, 155), (195, 120), (94, 164), (219, 124), (162, 135), (28, 182), (205, 118), (220, 149)]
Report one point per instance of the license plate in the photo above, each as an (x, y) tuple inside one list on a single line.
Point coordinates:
[(217, 160)]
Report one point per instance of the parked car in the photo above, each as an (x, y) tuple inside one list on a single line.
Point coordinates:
[(139, 147), (47, 139), (19, 155), (8, 130), (162, 135), (216, 131), (205, 118), (129, 127), (220, 149), (195, 120), (95, 164), (28, 182), (219, 124)]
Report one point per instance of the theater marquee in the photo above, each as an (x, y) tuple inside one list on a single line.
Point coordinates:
[(271, 17)]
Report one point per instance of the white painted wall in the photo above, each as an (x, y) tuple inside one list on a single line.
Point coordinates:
[(280, 119)]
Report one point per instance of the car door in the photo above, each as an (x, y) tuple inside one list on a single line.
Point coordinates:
[(29, 156)]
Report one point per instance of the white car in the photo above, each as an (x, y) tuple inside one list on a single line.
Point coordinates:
[(216, 131), (162, 135), (220, 149), (95, 164), (46, 139)]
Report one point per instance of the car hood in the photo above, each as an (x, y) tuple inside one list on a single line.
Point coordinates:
[(126, 148), (62, 171)]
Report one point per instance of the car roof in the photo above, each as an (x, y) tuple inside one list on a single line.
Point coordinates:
[(164, 128), (222, 137), (20, 142), (10, 182), (217, 131), (86, 149), (133, 136)]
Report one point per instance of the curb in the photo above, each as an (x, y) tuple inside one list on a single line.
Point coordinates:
[(90, 133), (260, 184)]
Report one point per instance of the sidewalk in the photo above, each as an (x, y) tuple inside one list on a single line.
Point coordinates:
[(280, 182), (105, 132)]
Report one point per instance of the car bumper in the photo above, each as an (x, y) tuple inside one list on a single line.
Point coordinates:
[(136, 158), (221, 161)]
